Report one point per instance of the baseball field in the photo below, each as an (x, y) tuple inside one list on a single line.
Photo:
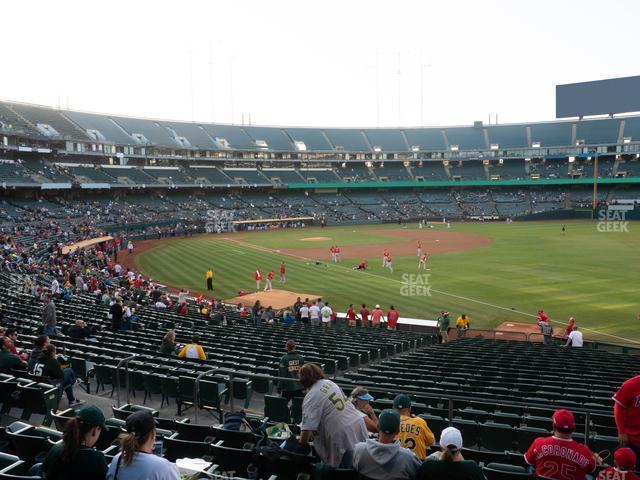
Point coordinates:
[(493, 272)]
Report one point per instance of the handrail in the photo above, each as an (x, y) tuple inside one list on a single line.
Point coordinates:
[(448, 397), (196, 390), (124, 361)]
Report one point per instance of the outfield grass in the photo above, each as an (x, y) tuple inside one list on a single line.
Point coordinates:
[(582, 273)]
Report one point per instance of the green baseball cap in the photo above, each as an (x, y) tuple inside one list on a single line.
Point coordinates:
[(401, 401), (91, 415), (389, 421)]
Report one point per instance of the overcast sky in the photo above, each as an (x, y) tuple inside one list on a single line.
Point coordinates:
[(324, 63)]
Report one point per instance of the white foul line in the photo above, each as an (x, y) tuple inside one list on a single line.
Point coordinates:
[(271, 250)]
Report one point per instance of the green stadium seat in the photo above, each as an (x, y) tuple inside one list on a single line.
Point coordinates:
[(498, 437), (276, 408), (501, 471)]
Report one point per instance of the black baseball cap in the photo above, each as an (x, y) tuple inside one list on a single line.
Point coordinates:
[(140, 423)]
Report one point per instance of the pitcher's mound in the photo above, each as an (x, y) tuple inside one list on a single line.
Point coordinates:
[(277, 299), (315, 239)]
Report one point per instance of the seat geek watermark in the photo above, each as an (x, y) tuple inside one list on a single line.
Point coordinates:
[(415, 285), (612, 221)]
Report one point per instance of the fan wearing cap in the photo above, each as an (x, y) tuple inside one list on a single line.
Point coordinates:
[(136, 460), (377, 317), (414, 433), (385, 459), (626, 410), (449, 464), (75, 456), (559, 456), (625, 463), (360, 397), (329, 418)]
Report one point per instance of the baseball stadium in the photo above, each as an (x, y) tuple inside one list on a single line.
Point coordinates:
[(212, 299)]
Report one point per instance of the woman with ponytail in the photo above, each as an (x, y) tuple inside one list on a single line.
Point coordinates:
[(136, 460), (75, 457), (449, 464)]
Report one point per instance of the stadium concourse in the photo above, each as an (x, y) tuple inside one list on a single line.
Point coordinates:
[(488, 400)]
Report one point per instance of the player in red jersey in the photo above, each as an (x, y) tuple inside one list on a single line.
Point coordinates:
[(361, 266), (392, 318), (422, 262), (385, 256), (389, 262), (337, 250), (626, 410), (559, 456), (257, 276), (333, 253), (419, 247), (625, 462), (283, 273), (267, 285)]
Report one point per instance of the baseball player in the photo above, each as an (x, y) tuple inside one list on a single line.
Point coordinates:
[(257, 276), (333, 253), (389, 262), (385, 258), (283, 273), (337, 253), (422, 262), (267, 286), (419, 247)]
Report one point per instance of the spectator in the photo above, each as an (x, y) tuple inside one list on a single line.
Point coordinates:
[(267, 315), (136, 460), (626, 409), (296, 308), (256, 311), (304, 313), (8, 360), (572, 322), (49, 316), (80, 330), (449, 464), (625, 462), (352, 318), (443, 325), (414, 432), (169, 346), (364, 313), (48, 366), (55, 288), (377, 316), (392, 318), (314, 314), (116, 311), (182, 296), (325, 313), (12, 334), (559, 456), (547, 333), (542, 318), (360, 397), (289, 366), (75, 457), (384, 458), (575, 338), (328, 417), (193, 350), (40, 342), (462, 325)]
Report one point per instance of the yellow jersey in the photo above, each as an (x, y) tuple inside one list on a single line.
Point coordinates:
[(462, 322), (415, 435), (209, 273)]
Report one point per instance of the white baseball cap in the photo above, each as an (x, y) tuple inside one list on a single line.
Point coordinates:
[(451, 436), (377, 306)]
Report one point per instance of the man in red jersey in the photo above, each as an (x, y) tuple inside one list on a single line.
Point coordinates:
[(625, 462), (364, 314), (559, 456), (351, 316), (626, 410), (268, 286), (419, 247), (257, 276), (392, 318), (283, 273)]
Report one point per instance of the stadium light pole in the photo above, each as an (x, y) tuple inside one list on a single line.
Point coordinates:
[(231, 59), (422, 67), (376, 67), (191, 83), (211, 79)]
